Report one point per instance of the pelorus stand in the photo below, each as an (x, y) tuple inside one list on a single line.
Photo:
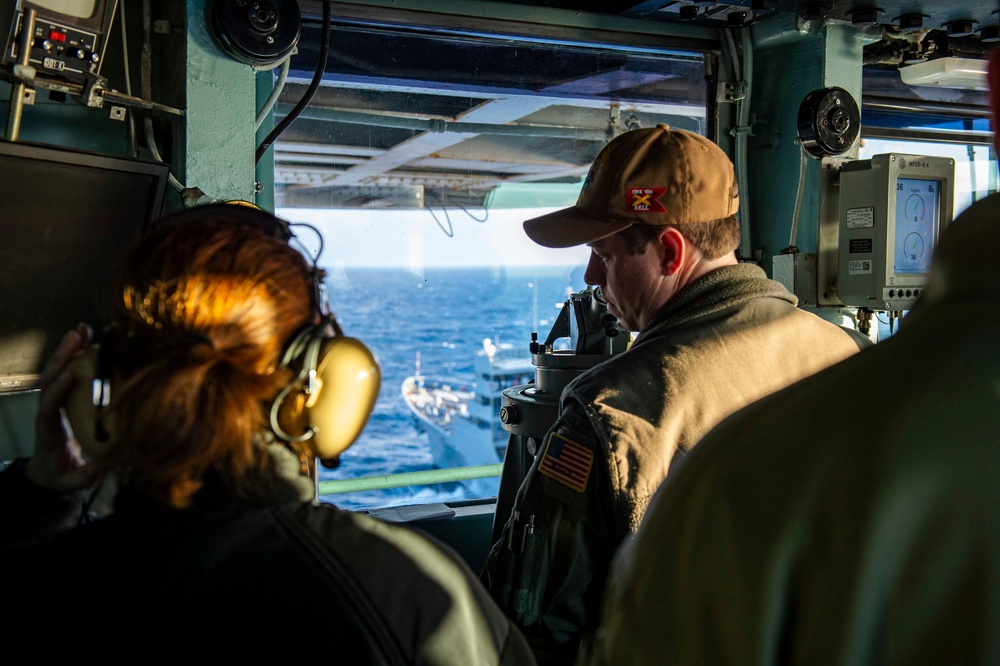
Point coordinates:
[(529, 410)]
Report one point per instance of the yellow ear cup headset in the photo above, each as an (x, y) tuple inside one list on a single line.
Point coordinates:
[(325, 406), (333, 394)]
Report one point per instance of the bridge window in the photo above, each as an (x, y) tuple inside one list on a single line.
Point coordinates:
[(418, 159)]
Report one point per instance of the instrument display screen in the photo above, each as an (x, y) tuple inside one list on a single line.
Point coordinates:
[(917, 210)]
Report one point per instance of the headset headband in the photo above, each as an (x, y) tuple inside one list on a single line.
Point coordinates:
[(236, 212)]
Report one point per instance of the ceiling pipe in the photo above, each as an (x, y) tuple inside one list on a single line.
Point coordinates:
[(439, 125)]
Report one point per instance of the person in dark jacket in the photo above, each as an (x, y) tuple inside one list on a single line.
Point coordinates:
[(658, 212), (213, 543)]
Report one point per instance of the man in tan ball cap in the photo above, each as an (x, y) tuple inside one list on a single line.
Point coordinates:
[(658, 210), (786, 537)]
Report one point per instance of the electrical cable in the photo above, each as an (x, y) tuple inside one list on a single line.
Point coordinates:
[(275, 93), (742, 132), (144, 80), (324, 51), (482, 220), (450, 231), (302, 247), (732, 53), (741, 97), (133, 149), (151, 142), (320, 296), (803, 164)]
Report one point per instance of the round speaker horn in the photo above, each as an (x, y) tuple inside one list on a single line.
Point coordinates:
[(829, 122), (257, 32)]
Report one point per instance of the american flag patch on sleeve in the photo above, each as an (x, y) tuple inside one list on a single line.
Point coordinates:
[(567, 462)]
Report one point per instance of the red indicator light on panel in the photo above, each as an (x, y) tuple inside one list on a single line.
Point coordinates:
[(56, 36)]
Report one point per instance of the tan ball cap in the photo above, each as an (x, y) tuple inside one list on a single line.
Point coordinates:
[(654, 175)]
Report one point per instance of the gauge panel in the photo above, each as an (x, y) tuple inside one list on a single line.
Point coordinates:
[(892, 209)]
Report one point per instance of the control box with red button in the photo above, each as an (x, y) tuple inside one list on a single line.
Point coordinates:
[(67, 43)]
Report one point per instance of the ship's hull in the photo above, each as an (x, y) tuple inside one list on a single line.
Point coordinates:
[(462, 421), (441, 410)]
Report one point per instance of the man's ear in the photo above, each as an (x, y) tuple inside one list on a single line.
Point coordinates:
[(675, 248)]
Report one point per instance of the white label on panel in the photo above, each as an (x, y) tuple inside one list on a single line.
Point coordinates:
[(859, 267), (861, 218)]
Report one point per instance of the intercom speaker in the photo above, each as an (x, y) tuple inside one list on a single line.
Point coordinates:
[(829, 122), (257, 32)]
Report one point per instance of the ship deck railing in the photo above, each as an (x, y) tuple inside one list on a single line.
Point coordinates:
[(420, 478)]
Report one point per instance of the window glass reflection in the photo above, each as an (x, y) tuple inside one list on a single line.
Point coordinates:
[(418, 159)]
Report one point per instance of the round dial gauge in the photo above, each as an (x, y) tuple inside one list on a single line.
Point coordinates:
[(914, 208), (913, 246)]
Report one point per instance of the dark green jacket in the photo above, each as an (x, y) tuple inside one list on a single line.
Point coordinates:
[(241, 580), (731, 337), (853, 518)]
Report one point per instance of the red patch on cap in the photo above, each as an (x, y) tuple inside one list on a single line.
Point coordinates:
[(645, 199)]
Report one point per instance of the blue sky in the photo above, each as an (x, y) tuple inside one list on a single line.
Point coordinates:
[(414, 239)]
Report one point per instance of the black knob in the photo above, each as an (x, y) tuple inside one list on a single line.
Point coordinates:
[(509, 415), (610, 324)]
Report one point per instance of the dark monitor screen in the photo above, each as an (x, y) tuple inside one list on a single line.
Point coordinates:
[(66, 217)]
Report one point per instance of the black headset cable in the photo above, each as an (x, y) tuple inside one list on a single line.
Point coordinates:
[(324, 50)]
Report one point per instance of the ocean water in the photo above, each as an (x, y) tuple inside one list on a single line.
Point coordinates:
[(444, 314)]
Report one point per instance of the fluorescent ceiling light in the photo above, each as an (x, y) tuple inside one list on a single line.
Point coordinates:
[(966, 73)]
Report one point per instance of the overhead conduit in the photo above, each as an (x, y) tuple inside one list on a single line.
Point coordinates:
[(439, 125)]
